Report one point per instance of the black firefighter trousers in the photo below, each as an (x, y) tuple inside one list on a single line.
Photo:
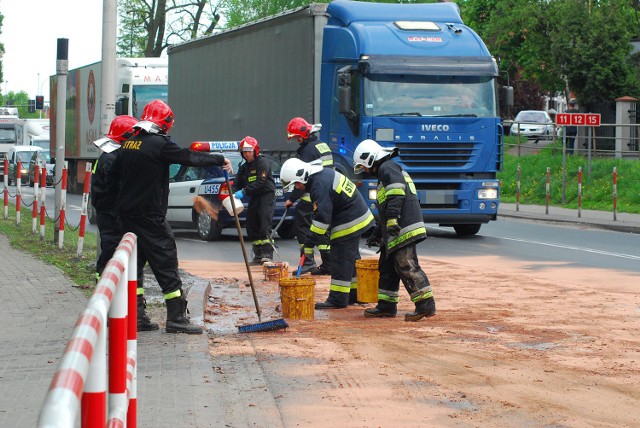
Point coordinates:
[(156, 245)]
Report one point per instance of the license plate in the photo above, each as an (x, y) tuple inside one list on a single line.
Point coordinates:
[(210, 189)]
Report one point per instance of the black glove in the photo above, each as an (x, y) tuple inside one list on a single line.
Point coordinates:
[(393, 228), (374, 241)]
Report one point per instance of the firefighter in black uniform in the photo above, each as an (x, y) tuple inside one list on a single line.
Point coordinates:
[(103, 198), (141, 170), (310, 149), (399, 229), (254, 179), (342, 213)]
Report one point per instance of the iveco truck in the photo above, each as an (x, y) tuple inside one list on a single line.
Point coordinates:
[(138, 81), (412, 76)]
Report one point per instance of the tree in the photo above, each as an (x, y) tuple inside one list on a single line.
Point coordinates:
[(148, 27), (1, 51)]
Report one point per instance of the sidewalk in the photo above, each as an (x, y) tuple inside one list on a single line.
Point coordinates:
[(39, 308)]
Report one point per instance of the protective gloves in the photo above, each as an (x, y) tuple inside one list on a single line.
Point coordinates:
[(239, 194), (393, 228), (374, 241)]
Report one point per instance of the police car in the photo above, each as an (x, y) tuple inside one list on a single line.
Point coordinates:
[(187, 182)]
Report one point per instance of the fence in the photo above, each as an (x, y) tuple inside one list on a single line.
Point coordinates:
[(79, 386)]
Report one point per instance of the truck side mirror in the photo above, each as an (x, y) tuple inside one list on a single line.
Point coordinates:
[(506, 96), (122, 106)]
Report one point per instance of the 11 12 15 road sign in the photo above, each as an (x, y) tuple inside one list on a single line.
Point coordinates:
[(578, 119)]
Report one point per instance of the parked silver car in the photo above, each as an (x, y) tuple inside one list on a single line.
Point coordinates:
[(533, 125)]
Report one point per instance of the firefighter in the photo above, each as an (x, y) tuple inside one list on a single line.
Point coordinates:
[(103, 198), (309, 150), (254, 179), (399, 229), (141, 171), (342, 214)]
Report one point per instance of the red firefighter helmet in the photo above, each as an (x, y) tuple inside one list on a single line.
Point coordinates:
[(298, 127), (249, 144), (159, 113), (121, 128)]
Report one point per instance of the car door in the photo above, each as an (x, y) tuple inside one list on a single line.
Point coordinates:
[(183, 187)]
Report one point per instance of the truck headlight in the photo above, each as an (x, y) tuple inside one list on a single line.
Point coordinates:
[(488, 193), (373, 194)]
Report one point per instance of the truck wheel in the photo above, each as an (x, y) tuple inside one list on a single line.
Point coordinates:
[(208, 230), (287, 230), (466, 229)]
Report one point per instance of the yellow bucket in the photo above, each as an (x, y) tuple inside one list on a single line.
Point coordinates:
[(297, 297), (368, 276), (274, 271)]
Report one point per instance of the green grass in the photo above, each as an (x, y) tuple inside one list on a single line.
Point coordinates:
[(80, 270), (597, 186)]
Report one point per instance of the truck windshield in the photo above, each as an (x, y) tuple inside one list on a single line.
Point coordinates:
[(446, 96), (143, 94)]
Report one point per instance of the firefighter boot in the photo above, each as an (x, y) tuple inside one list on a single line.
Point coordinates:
[(384, 309), (424, 309), (267, 253), (144, 323), (177, 321), (336, 300), (325, 267), (257, 255)]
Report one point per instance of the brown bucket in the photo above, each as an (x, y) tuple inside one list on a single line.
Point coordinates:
[(368, 276), (297, 297), (274, 271)]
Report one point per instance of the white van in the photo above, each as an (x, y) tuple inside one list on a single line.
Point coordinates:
[(20, 154)]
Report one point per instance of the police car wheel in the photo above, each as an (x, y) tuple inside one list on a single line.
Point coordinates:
[(208, 230), (466, 229), (287, 230)]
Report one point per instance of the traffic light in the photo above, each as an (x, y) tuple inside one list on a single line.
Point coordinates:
[(39, 102), (32, 106)]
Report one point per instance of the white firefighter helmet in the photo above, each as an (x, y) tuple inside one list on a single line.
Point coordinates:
[(296, 171), (367, 152)]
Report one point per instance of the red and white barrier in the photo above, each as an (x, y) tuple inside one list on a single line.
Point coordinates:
[(579, 191), (547, 191), (83, 213), (34, 215), (6, 188), (18, 191), (615, 193), (80, 382), (63, 204), (43, 194)]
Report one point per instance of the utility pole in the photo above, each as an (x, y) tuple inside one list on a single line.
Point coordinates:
[(62, 69)]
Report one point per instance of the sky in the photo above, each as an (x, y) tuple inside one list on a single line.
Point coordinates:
[(30, 32)]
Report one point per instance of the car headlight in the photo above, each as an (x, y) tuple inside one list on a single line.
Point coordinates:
[(488, 193)]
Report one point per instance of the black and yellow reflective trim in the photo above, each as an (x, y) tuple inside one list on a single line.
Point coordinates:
[(388, 296), (322, 247), (306, 197), (172, 295), (318, 227), (252, 178), (308, 251), (95, 167), (261, 242), (353, 226), (140, 291), (342, 184), (406, 236), (340, 286)]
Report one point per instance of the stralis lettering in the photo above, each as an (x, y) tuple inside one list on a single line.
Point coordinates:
[(435, 128), (425, 39), (132, 145)]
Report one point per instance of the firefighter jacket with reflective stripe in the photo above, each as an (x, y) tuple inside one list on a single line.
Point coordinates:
[(339, 207), (397, 199), (103, 193), (141, 169), (309, 151), (255, 178)]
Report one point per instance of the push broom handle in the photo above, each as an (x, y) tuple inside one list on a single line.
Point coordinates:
[(244, 250)]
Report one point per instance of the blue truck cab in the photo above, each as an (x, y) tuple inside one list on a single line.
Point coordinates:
[(415, 77)]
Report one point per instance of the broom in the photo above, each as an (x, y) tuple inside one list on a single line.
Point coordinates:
[(261, 326)]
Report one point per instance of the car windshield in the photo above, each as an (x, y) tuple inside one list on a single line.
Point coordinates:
[(43, 155), (410, 95), (24, 157), (532, 116)]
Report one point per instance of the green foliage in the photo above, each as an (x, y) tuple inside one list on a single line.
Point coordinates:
[(597, 184), (80, 270), (20, 100)]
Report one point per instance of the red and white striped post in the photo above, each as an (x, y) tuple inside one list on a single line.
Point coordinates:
[(34, 214), (518, 188), (6, 188), (615, 193), (83, 366), (579, 191), (63, 203), (547, 190), (18, 191), (85, 201), (43, 193)]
